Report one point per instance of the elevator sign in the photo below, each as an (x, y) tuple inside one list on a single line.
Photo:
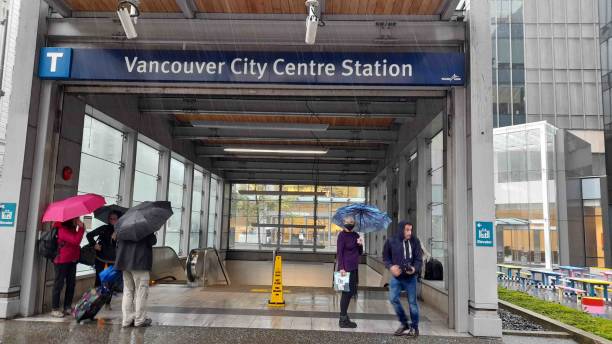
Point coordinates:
[(484, 233), (332, 68), (7, 214)]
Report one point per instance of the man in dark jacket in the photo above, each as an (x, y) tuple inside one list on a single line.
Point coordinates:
[(403, 257), (135, 259)]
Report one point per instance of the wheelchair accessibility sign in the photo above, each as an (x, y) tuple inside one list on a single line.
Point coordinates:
[(484, 233), (7, 214)]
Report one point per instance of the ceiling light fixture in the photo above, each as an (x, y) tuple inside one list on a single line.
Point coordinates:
[(276, 151), (128, 12), (261, 126), (312, 21)]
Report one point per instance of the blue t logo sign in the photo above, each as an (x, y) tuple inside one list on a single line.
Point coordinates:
[(55, 63)]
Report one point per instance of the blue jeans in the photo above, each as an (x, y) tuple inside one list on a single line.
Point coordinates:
[(409, 285)]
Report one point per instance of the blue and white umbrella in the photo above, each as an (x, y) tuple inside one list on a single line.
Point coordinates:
[(367, 218)]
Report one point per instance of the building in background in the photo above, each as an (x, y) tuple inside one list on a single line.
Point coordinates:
[(605, 38), (547, 106)]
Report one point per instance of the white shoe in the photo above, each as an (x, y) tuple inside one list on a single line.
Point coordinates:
[(57, 314)]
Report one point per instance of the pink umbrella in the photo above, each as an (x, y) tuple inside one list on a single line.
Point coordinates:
[(73, 207)]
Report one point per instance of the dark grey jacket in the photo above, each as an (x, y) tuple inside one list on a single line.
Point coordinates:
[(135, 255)]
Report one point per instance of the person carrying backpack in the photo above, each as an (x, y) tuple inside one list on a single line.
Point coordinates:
[(69, 236)]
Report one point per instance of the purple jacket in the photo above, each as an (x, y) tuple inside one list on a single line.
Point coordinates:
[(348, 251)]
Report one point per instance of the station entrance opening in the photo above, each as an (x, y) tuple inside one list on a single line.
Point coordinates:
[(255, 172)]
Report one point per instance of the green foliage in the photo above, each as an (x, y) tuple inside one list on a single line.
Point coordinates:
[(582, 320)]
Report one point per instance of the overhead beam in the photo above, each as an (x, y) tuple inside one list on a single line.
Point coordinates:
[(158, 89), (376, 136), (290, 106), (188, 8), (332, 154), (60, 7), (259, 166), (289, 178)]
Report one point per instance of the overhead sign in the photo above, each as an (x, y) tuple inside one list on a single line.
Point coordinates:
[(424, 69), (484, 233), (7, 214)]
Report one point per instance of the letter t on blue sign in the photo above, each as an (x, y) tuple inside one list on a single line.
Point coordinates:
[(484, 233), (55, 63)]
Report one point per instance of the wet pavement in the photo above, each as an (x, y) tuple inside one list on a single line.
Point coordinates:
[(25, 332)]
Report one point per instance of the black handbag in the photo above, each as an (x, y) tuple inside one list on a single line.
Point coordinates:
[(88, 255)]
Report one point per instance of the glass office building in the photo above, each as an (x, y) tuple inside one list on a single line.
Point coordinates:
[(547, 105)]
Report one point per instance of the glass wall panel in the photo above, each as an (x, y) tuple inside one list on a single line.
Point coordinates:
[(100, 169), (519, 194), (176, 188), (291, 217), (438, 232), (593, 222), (146, 175), (196, 209), (213, 211)]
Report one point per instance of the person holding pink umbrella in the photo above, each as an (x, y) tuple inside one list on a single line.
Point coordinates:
[(70, 230), (69, 236)]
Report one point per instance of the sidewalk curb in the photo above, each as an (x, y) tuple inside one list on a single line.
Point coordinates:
[(541, 334), (578, 334)]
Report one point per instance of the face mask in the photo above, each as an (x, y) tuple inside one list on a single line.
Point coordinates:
[(349, 226)]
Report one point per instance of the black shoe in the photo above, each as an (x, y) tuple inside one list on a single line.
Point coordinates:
[(345, 322), (402, 330), (414, 332), (146, 323)]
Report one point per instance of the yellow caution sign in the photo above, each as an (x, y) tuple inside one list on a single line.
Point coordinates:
[(276, 297)]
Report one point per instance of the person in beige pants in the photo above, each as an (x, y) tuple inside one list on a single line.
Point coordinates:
[(135, 259)]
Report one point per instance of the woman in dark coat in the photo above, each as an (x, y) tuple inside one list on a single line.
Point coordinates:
[(104, 241)]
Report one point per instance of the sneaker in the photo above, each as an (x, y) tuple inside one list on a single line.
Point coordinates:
[(414, 332), (57, 314), (345, 322), (146, 323), (403, 330)]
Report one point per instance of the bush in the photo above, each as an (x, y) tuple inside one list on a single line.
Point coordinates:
[(599, 326)]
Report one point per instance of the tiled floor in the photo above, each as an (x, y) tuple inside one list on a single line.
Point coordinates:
[(306, 309)]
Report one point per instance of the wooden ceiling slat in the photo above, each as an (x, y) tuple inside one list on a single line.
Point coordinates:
[(436, 7), (363, 7), (348, 7), (416, 4), (384, 122), (397, 6), (406, 5), (371, 7), (388, 7), (276, 6), (326, 144)]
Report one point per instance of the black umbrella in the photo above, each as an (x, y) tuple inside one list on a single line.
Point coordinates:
[(144, 219), (103, 213)]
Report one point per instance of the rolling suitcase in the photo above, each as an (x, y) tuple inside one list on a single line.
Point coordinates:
[(91, 302)]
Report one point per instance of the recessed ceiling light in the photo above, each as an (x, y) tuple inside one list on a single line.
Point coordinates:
[(276, 151)]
